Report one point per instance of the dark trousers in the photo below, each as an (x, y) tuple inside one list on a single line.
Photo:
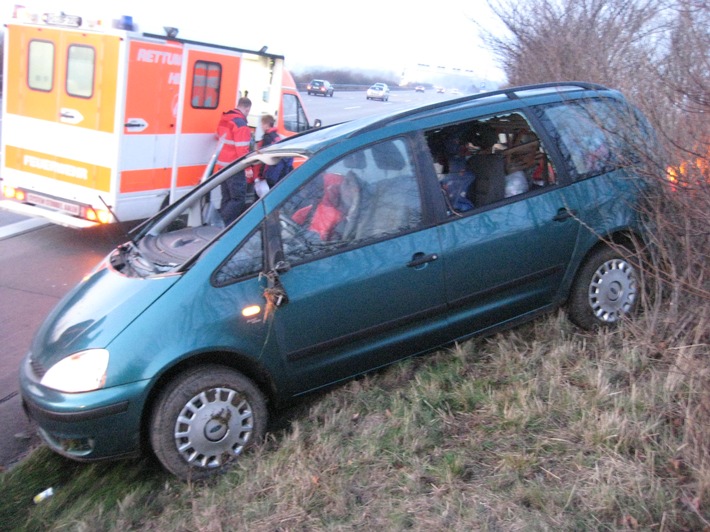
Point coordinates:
[(234, 192)]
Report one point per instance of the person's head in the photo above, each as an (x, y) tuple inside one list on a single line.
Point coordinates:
[(244, 105), (485, 137), (267, 122)]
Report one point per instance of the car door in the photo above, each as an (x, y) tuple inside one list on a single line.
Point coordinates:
[(364, 284), (507, 261), (506, 255)]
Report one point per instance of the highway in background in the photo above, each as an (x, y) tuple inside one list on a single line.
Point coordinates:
[(346, 105), (40, 263)]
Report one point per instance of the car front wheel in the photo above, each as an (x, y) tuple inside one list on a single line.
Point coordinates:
[(606, 289), (204, 419)]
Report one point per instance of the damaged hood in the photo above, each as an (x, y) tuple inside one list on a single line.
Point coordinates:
[(94, 312)]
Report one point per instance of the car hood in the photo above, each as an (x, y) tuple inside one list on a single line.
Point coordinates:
[(94, 312)]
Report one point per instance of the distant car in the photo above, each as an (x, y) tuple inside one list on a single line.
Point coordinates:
[(320, 86), (455, 91), (419, 88), (379, 91), (440, 90)]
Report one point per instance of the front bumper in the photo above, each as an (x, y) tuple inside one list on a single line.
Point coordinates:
[(86, 426)]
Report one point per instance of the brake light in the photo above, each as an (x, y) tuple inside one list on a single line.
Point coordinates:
[(97, 215), (13, 193)]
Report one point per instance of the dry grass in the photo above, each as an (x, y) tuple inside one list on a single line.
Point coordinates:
[(543, 427), (539, 428)]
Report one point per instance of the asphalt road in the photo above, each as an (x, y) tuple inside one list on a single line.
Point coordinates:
[(39, 263), (349, 105), (37, 267)]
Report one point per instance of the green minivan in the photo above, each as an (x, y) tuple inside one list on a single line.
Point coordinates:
[(392, 236)]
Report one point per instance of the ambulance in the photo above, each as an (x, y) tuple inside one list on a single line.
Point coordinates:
[(103, 123)]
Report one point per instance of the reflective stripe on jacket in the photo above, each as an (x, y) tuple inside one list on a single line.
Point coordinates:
[(235, 134)]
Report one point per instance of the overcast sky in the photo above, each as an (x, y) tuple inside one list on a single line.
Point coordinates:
[(385, 35)]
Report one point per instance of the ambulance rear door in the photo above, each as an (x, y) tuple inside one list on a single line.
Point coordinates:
[(60, 116)]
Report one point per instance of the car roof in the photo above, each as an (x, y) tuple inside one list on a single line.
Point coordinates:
[(313, 141)]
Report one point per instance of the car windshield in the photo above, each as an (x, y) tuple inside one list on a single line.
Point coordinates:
[(174, 238)]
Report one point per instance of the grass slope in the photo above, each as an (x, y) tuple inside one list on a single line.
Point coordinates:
[(538, 428)]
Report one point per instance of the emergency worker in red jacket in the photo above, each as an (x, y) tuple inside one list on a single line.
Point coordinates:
[(235, 135)]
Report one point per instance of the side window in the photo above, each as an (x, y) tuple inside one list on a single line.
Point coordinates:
[(294, 116), (81, 64), (247, 260), (592, 135), (488, 160), (206, 82), (366, 196), (40, 68)]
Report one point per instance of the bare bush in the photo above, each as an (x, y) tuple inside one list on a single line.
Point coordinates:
[(658, 53)]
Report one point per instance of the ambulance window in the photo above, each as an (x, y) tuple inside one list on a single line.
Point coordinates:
[(80, 71), (206, 80), (294, 117), (40, 71)]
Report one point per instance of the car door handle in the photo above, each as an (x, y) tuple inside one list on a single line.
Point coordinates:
[(419, 259), (563, 214)]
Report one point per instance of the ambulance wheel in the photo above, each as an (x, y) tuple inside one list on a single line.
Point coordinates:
[(606, 289), (204, 419)]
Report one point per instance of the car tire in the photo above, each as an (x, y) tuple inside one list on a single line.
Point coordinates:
[(605, 290), (204, 419)]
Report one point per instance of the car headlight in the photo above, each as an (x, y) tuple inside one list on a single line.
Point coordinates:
[(81, 372)]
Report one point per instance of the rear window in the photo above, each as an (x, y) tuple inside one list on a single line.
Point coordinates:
[(81, 66), (594, 136), (40, 68)]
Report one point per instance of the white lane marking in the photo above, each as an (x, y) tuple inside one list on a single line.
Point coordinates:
[(21, 227)]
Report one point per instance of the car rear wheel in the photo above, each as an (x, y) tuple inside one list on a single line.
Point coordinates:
[(204, 419), (605, 290)]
